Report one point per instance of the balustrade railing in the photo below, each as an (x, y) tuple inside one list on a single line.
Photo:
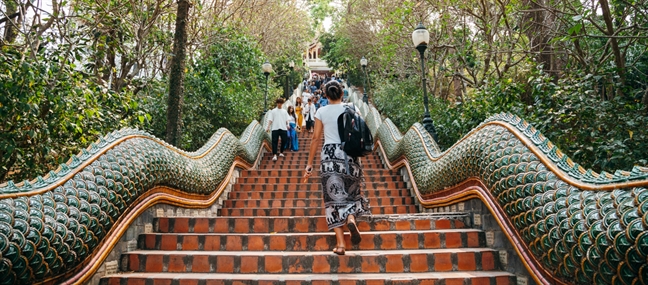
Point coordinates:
[(568, 224), (60, 227)]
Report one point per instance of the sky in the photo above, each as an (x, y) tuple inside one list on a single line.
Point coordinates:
[(327, 23)]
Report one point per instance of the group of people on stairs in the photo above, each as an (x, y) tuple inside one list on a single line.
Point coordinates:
[(306, 107), (342, 190)]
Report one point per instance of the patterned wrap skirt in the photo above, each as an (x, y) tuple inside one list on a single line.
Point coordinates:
[(342, 192)]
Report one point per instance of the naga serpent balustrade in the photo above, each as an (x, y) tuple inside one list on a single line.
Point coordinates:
[(60, 228), (568, 225)]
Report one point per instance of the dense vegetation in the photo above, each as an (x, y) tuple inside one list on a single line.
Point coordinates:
[(71, 71), (577, 70)]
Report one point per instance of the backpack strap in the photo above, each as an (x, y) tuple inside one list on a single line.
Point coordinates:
[(346, 158), (346, 162)]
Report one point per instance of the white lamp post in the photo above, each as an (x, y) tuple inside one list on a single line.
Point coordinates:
[(363, 63), (267, 68), (421, 38), (291, 64)]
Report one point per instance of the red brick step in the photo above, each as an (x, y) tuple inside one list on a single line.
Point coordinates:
[(312, 179), (324, 262), (300, 172), (427, 278), (322, 241), (313, 194), (301, 224), (311, 203), (308, 211), (313, 185)]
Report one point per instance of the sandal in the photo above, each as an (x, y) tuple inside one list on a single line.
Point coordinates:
[(353, 229), (339, 250)]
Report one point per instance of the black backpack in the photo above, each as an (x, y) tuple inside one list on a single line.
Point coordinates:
[(355, 135)]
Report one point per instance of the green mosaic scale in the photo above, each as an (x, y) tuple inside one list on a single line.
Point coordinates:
[(48, 235), (578, 236)]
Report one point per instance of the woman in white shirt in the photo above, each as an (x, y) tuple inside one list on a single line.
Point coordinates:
[(342, 192), (309, 115)]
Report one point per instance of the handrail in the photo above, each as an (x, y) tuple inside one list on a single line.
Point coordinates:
[(569, 225), (61, 227)]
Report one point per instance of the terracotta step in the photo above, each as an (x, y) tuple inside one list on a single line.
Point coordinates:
[(303, 155), (322, 241), (268, 160), (302, 164), (308, 211), (427, 278), (312, 185), (312, 179), (240, 194), (265, 224), (360, 261), (310, 203), (292, 172)]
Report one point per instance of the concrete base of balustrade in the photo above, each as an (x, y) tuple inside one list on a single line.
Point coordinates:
[(484, 220), (144, 224)]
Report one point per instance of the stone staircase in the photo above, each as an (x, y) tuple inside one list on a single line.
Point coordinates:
[(272, 231)]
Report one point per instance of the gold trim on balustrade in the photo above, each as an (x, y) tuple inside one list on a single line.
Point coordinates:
[(542, 157), (154, 196), (537, 271)]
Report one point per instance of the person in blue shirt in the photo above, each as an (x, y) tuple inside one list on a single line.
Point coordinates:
[(323, 101), (316, 102), (345, 98), (312, 88)]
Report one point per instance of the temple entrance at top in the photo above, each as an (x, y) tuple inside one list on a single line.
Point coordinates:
[(314, 63)]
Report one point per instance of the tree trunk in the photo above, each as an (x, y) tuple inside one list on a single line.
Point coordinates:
[(618, 58), (286, 87), (10, 33), (457, 84), (537, 25), (177, 74)]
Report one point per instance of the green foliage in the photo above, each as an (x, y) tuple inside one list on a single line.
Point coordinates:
[(400, 100), (223, 89), (336, 47), (319, 10), (602, 135), (51, 111)]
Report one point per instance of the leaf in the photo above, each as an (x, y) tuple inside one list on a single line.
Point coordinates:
[(575, 29)]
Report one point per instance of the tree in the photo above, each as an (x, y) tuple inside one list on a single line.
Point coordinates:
[(177, 75)]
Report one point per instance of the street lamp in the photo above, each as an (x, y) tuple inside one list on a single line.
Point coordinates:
[(346, 72), (291, 64), (267, 68), (363, 63), (421, 38)]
